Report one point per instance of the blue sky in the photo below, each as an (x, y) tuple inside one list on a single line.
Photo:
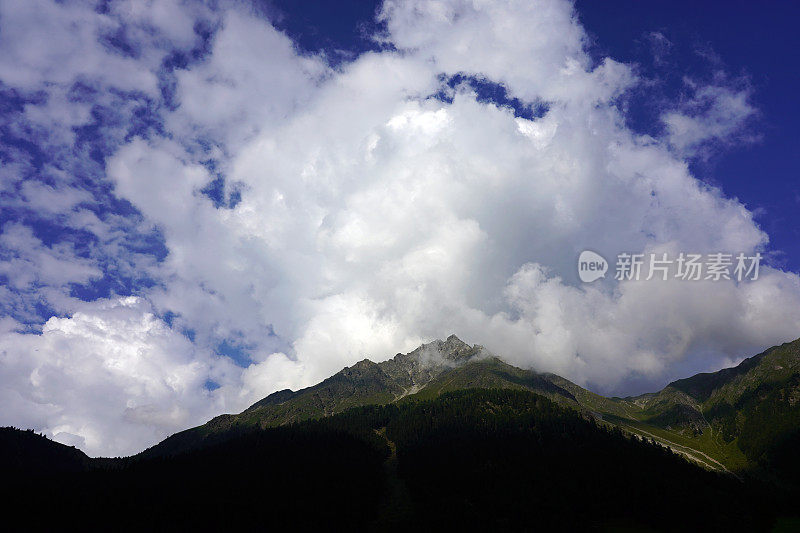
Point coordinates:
[(204, 202), (758, 45)]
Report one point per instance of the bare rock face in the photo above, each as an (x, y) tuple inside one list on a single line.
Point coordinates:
[(363, 383), (414, 370)]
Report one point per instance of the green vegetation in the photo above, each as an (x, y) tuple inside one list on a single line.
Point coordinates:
[(467, 459), (741, 420), (746, 417), (451, 437)]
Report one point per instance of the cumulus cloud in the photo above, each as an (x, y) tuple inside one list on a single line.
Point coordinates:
[(363, 214), (113, 378), (253, 77), (112, 364)]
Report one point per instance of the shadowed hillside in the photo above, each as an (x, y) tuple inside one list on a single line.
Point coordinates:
[(742, 420), (450, 436), (468, 459)]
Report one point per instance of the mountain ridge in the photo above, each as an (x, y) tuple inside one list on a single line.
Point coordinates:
[(450, 420), (705, 417), (467, 459), (429, 370)]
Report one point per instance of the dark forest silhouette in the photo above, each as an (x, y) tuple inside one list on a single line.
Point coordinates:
[(468, 459)]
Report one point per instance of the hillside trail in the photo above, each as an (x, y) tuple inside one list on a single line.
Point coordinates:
[(695, 455), (396, 509)]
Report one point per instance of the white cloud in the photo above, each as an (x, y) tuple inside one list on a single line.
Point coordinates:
[(29, 262), (374, 217), (253, 78), (113, 378), (56, 43), (112, 374), (714, 113), (645, 328)]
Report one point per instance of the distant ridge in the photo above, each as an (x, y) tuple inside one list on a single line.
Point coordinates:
[(29, 452)]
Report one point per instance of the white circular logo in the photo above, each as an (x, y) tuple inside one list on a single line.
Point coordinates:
[(591, 266)]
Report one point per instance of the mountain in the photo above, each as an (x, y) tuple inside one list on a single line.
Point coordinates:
[(718, 420), (449, 436), (747, 417), (470, 459), (30, 453), (426, 372)]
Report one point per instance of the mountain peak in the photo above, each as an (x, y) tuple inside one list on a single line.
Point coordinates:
[(449, 351), (760, 392), (454, 340), (455, 349)]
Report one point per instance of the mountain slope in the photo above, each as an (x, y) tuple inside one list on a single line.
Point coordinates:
[(747, 416), (740, 419), (425, 372), (29, 452), (474, 459), (683, 403), (477, 459), (493, 373), (774, 365), (447, 431)]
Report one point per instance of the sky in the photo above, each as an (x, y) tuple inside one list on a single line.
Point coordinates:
[(204, 202)]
